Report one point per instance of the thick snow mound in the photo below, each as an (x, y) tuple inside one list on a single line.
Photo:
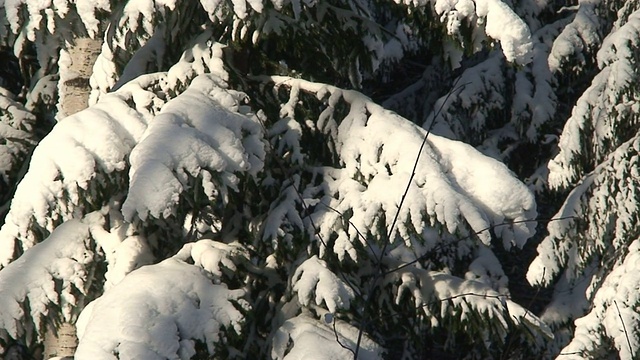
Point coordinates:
[(158, 312)]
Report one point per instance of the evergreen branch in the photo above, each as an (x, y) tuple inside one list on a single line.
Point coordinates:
[(307, 211), (379, 272), (453, 297), (415, 166), (358, 232), (526, 313), (424, 256)]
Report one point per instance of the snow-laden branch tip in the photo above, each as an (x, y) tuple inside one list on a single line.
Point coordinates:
[(197, 134), (75, 158), (492, 18), (178, 306), (312, 279), (613, 311), (52, 274)]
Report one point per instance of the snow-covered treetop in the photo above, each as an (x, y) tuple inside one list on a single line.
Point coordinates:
[(352, 185), (106, 140), (206, 139)]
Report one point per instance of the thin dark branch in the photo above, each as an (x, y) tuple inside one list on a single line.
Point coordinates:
[(477, 233), (438, 300), (415, 166), (571, 353), (624, 328), (335, 332), (350, 223)]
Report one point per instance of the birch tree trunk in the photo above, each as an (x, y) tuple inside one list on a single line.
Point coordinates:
[(76, 66)]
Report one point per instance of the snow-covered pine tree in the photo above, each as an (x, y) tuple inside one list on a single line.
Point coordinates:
[(589, 259), (226, 188)]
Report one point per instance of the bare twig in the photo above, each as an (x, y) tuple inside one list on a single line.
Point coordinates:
[(477, 233), (624, 328), (335, 332), (571, 353)]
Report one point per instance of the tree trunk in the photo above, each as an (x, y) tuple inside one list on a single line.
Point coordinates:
[(63, 345), (76, 66)]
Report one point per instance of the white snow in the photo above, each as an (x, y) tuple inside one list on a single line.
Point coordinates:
[(124, 252), (213, 256), (613, 316), (479, 97), (602, 225), (283, 213), (73, 158), (503, 24), (578, 37), (609, 89), (51, 274), (452, 295), (199, 130), (491, 17), (313, 277), (158, 312), (314, 339), (34, 10), (455, 185)]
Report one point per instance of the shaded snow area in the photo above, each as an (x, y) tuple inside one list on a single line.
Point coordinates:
[(50, 275), (304, 337), (591, 129), (579, 37), (492, 18), (581, 250), (606, 227), (16, 124), (616, 307), (432, 290), (160, 311)]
